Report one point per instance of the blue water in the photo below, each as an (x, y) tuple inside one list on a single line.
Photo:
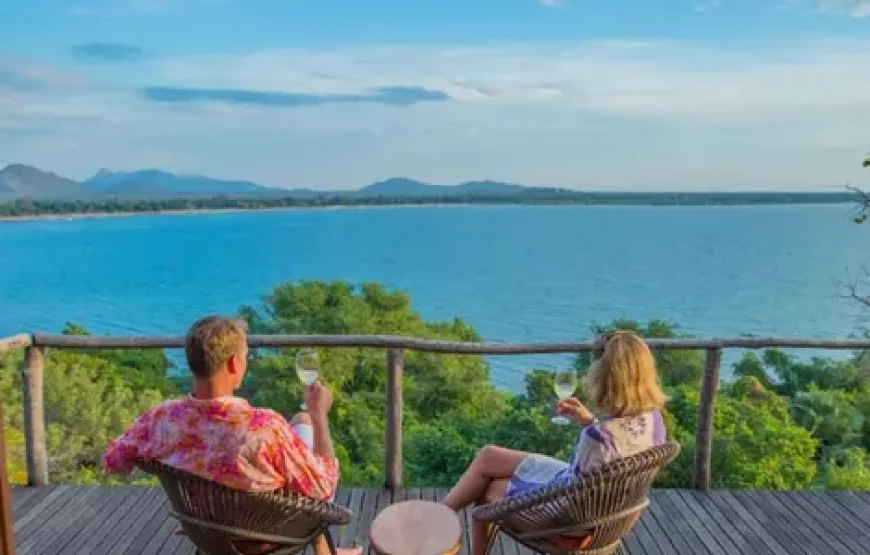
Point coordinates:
[(515, 273)]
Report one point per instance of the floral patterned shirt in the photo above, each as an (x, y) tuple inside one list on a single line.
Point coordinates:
[(228, 441), (614, 438)]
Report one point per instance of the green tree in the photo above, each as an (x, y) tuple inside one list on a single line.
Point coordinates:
[(140, 368), (440, 390), (755, 442), (87, 403), (851, 472), (784, 423), (831, 416)]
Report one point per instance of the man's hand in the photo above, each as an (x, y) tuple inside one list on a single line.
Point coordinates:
[(576, 411), (318, 401)]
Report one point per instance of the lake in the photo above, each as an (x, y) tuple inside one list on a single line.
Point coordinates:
[(518, 273)]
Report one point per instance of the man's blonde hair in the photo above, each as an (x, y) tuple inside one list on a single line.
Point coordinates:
[(623, 380), (211, 341)]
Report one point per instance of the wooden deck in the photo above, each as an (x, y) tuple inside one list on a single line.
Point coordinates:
[(133, 520)]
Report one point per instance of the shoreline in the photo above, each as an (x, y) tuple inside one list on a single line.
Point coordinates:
[(208, 211)]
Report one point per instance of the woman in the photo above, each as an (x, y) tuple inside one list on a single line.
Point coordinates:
[(623, 384)]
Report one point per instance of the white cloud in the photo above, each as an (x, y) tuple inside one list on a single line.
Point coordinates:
[(707, 5), (551, 3), (855, 8), (685, 115), (637, 79), (852, 8)]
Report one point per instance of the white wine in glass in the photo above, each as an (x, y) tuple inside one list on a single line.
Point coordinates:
[(307, 367), (565, 384)]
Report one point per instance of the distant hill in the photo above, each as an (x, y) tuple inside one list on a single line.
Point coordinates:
[(162, 184), (28, 182), (399, 186), (404, 187), (158, 188), (21, 181)]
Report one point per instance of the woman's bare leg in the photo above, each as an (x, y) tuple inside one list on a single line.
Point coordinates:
[(482, 532), (491, 463)]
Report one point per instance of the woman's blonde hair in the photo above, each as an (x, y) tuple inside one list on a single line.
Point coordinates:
[(623, 380)]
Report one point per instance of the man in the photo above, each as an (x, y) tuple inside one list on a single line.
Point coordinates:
[(221, 437)]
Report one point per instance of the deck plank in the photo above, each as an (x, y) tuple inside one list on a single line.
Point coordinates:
[(150, 527), (822, 502), (687, 525), (676, 543), (753, 537), (366, 517), (853, 504), (27, 533), (348, 536), (806, 524), (831, 525), (127, 523), (107, 520), (62, 526), (152, 509), (658, 535), (772, 518), (719, 529), (103, 502), (342, 499)]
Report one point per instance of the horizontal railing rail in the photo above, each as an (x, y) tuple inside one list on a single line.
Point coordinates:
[(36, 343), (438, 346)]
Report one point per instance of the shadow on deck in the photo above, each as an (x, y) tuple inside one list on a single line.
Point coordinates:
[(133, 520)]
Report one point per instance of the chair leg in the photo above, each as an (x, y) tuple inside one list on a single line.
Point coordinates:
[(490, 540), (330, 542)]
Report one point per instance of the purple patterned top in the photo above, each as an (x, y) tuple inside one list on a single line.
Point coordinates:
[(611, 439), (597, 444)]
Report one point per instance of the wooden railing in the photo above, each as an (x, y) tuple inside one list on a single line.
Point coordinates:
[(35, 344)]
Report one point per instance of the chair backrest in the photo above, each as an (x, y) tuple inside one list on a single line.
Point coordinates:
[(592, 512), (217, 519)]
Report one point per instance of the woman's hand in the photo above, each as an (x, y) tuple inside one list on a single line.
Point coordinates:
[(576, 411)]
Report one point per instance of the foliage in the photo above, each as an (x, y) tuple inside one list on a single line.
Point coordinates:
[(87, 403), (756, 444), (438, 389), (851, 472), (140, 368), (782, 422), (23, 208)]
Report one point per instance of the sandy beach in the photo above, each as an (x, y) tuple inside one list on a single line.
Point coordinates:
[(204, 211)]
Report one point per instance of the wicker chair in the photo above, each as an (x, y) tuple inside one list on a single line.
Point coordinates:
[(588, 516), (223, 521)]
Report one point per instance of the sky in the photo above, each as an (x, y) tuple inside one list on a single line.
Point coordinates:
[(335, 94)]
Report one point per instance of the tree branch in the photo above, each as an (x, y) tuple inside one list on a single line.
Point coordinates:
[(853, 288), (863, 203)]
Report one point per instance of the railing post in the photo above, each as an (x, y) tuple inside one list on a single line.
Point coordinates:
[(7, 541), (704, 429), (393, 467), (34, 417)]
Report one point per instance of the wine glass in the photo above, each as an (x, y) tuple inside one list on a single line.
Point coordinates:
[(307, 367), (564, 383)]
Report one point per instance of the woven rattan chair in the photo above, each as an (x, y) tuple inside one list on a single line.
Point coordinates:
[(223, 521), (588, 516)]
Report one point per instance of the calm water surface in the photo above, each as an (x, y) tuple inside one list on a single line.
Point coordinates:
[(515, 273)]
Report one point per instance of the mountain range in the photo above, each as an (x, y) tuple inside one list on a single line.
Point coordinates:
[(19, 181)]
